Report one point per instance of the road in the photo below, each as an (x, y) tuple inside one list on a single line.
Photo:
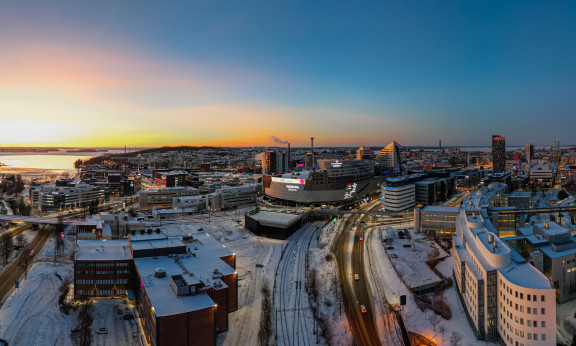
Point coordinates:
[(15, 270), (294, 319), (350, 257)]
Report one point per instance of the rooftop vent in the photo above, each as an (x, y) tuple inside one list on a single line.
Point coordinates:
[(142, 231), (149, 231), (157, 230), (160, 272)]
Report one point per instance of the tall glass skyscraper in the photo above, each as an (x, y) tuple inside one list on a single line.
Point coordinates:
[(499, 153)]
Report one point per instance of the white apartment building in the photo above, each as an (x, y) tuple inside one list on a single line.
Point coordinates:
[(505, 298)]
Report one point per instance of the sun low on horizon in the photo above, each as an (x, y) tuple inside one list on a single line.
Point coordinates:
[(111, 74)]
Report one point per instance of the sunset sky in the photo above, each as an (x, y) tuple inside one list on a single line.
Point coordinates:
[(150, 73)]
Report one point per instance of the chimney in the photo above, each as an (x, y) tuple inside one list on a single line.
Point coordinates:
[(288, 168), (312, 145)]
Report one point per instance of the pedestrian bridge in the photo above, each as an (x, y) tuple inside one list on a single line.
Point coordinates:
[(35, 220)]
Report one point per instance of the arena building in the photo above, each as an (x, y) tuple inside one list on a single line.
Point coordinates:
[(335, 182)]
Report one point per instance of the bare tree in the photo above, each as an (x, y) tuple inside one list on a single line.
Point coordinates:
[(21, 240), (6, 248), (83, 331), (442, 329), (434, 320), (266, 317), (455, 338)]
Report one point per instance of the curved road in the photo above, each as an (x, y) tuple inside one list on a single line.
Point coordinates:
[(350, 256)]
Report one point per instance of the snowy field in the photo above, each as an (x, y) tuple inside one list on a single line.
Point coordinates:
[(31, 315)]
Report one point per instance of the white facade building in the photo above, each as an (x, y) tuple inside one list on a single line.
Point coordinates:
[(505, 297)]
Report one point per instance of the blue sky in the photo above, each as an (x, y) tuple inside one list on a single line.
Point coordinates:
[(192, 72)]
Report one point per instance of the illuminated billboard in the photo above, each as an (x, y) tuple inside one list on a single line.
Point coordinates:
[(289, 180)]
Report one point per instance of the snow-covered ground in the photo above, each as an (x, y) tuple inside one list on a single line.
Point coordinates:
[(331, 312), (414, 319), (250, 250), (293, 315)]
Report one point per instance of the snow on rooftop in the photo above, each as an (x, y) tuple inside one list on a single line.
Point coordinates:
[(157, 244), (436, 208), (275, 217), (103, 250)]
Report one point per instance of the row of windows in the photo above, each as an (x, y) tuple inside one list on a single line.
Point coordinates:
[(520, 333), (102, 282), (102, 272), (105, 264), (100, 292), (530, 310), (529, 297)]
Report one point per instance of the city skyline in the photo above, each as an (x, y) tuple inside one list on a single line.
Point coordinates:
[(115, 74)]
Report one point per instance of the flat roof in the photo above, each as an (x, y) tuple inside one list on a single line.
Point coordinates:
[(436, 208), (103, 250), (146, 236), (157, 244), (271, 217), (162, 296)]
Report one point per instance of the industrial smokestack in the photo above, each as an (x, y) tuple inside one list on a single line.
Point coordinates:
[(288, 157), (312, 145)]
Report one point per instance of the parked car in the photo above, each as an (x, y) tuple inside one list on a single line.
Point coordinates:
[(102, 331), (389, 247), (128, 317), (393, 255), (258, 265)]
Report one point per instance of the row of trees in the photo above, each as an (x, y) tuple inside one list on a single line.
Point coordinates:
[(7, 246), (11, 184)]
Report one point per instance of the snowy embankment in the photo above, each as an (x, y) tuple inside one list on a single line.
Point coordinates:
[(323, 266)]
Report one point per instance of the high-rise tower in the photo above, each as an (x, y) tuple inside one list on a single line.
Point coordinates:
[(498, 153)]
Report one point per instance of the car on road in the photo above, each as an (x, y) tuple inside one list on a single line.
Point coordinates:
[(102, 331), (363, 309), (258, 265), (361, 238), (128, 317), (393, 255), (389, 247), (356, 277)]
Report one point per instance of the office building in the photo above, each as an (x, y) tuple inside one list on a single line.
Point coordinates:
[(364, 153), (274, 162), (498, 154), (529, 152), (390, 159), (505, 298)]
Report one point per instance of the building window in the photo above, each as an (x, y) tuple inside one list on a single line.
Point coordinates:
[(529, 323), (543, 325), (529, 309), (543, 337), (529, 335), (543, 311), (528, 296), (542, 297), (521, 295), (535, 336), (534, 297)]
